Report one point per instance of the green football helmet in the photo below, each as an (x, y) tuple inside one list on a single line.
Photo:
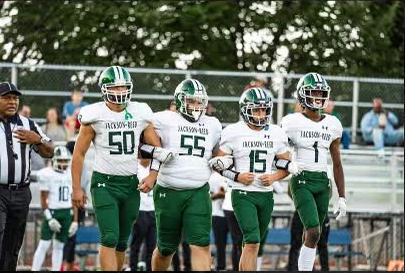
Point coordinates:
[(308, 86), (115, 76), (254, 98), (188, 92), (61, 158)]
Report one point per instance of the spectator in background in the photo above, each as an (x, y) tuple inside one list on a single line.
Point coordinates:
[(345, 134), (54, 126), (172, 106), (261, 82), (378, 127), (25, 111), (211, 110), (71, 110)]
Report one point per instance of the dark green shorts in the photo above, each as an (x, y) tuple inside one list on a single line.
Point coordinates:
[(178, 211), (64, 217), (116, 206), (253, 212), (310, 192)]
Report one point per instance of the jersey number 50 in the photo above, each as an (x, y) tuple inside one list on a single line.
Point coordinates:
[(123, 141)]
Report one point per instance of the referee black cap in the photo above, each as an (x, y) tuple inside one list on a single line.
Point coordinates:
[(6, 87)]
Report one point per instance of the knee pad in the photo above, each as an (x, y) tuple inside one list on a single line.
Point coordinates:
[(166, 250), (121, 246), (109, 240), (251, 237), (199, 240)]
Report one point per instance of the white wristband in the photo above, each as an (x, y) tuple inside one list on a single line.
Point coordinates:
[(47, 214)]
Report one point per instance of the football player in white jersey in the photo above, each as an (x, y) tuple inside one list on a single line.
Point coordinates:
[(182, 199), (115, 126), (313, 135), (254, 144), (56, 188)]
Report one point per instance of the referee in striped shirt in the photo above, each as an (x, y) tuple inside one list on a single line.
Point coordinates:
[(18, 136)]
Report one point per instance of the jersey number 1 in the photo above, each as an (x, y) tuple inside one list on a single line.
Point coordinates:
[(316, 150)]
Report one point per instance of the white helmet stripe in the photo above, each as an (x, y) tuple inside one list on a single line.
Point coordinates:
[(257, 93), (121, 72), (200, 87), (116, 73), (317, 77), (262, 93), (194, 85)]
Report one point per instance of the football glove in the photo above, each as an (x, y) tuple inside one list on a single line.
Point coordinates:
[(341, 208), (54, 225), (293, 168), (221, 163), (73, 228), (164, 155)]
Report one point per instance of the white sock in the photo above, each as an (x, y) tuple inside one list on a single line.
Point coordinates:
[(39, 255), (57, 255), (306, 259), (259, 263)]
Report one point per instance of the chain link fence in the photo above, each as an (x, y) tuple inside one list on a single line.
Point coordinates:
[(50, 85)]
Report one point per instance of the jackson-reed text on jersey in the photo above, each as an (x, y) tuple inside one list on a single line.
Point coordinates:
[(315, 134), (121, 125), (258, 144), (193, 130)]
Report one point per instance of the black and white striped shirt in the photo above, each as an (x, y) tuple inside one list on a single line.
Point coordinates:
[(15, 157)]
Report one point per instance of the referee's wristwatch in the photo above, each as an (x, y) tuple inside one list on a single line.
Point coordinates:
[(42, 140)]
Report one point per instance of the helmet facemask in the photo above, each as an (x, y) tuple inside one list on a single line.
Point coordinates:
[(61, 164), (115, 96), (251, 118), (311, 97), (61, 159), (188, 107)]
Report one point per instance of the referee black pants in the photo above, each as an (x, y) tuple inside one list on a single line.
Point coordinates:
[(14, 207)]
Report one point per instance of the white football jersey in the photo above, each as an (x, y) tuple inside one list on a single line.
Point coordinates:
[(59, 186), (253, 151), (194, 141), (227, 204), (117, 135), (311, 140), (146, 203), (217, 182)]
